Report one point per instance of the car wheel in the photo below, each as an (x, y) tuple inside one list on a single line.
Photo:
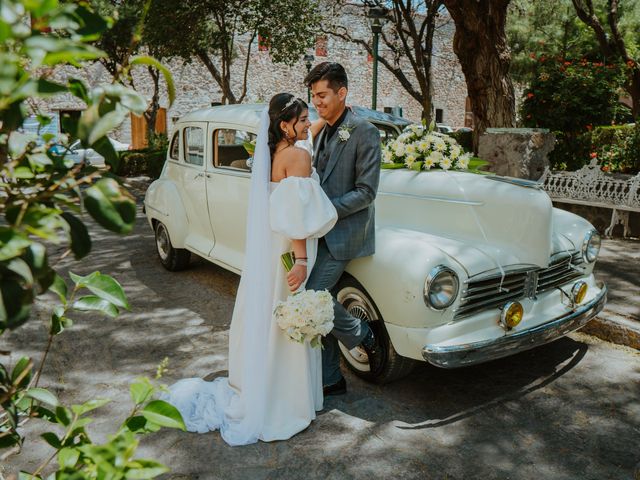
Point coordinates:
[(359, 304), (173, 259)]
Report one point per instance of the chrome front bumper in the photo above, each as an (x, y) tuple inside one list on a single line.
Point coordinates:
[(454, 356)]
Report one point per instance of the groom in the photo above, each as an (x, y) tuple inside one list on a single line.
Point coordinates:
[(347, 159)]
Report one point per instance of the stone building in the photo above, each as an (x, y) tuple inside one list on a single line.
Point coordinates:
[(195, 87)]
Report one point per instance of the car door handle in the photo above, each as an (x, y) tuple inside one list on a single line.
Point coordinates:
[(199, 175)]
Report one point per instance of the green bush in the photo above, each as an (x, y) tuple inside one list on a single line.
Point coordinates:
[(142, 162), (617, 148), (571, 95), (464, 139)]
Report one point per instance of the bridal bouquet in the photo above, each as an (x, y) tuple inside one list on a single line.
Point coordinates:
[(305, 315), (422, 148)]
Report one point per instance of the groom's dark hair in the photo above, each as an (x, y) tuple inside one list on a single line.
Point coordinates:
[(332, 72)]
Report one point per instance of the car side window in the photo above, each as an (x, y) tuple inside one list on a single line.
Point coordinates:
[(174, 151), (234, 149), (194, 146)]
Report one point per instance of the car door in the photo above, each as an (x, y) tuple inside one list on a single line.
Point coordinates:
[(193, 188), (228, 192)]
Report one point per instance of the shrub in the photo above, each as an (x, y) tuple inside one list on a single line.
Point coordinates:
[(464, 139), (571, 96), (617, 148), (142, 162)]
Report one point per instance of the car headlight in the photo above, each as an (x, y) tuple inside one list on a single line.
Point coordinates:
[(591, 246), (441, 288)]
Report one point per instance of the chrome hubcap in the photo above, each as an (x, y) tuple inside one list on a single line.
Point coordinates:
[(162, 241), (358, 305)]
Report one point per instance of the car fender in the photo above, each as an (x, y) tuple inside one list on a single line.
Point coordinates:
[(164, 203), (395, 275)]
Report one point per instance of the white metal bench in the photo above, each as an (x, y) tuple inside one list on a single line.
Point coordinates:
[(590, 186)]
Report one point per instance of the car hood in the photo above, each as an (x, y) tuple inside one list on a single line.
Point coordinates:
[(485, 222)]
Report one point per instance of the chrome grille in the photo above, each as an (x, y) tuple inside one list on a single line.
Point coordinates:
[(561, 271), (492, 291)]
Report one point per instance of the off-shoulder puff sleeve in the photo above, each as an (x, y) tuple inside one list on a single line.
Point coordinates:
[(299, 209)]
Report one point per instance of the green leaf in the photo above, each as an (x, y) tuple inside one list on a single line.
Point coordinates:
[(106, 123), (92, 303), (111, 206), (12, 244), (80, 239), (68, 457), (20, 267), (136, 424), (107, 288), (78, 89), (89, 406), (417, 166), (58, 321), (41, 412), (141, 390), (59, 287), (391, 166), (43, 395), (105, 148), (52, 439), (78, 280), (45, 87), (145, 469), (9, 438), (163, 414), (64, 415), (152, 62), (23, 364)]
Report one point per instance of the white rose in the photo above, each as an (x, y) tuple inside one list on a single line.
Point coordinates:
[(344, 134)]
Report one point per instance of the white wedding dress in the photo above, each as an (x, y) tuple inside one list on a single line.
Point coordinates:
[(284, 389)]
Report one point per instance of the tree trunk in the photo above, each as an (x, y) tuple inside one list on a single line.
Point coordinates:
[(480, 42), (152, 112), (634, 91), (221, 80)]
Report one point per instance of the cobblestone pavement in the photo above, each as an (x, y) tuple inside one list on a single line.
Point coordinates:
[(568, 410)]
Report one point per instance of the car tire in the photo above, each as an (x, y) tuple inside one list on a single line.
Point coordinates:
[(173, 259), (357, 301)]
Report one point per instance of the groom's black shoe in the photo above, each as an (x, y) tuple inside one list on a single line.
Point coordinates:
[(372, 347), (339, 388)]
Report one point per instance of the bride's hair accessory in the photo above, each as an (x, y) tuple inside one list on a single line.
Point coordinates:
[(289, 103)]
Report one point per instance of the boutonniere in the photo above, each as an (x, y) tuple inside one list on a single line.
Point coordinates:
[(344, 132)]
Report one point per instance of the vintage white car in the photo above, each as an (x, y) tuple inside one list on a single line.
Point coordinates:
[(468, 268)]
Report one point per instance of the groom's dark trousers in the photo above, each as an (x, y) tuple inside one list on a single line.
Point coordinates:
[(349, 330)]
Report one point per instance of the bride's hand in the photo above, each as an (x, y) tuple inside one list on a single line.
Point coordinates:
[(296, 276)]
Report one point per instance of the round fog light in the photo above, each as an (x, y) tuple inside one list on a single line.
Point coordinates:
[(578, 292), (512, 314)]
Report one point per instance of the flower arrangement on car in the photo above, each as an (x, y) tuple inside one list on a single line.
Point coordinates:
[(422, 148)]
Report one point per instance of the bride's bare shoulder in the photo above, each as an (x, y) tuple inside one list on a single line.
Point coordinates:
[(297, 162)]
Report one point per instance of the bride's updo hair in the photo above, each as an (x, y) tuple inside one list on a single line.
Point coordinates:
[(283, 107)]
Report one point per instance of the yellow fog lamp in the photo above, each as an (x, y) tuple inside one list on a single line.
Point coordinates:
[(511, 315), (578, 292)]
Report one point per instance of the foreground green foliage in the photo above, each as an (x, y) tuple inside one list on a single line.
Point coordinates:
[(44, 197)]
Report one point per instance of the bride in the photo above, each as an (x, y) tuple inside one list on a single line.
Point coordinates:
[(275, 385)]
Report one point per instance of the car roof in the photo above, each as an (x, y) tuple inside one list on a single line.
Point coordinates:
[(249, 114)]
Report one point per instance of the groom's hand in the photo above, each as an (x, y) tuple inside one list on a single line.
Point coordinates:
[(296, 276)]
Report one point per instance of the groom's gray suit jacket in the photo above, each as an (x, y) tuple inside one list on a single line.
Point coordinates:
[(350, 179)]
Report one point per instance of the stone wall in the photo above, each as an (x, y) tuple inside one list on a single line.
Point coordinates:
[(195, 87)]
